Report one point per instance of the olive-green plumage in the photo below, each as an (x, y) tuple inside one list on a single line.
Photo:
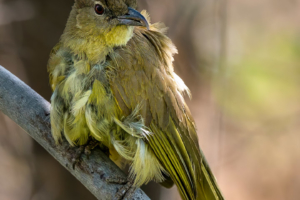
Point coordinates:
[(115, 83)]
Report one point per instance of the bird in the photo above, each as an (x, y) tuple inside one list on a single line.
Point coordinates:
[(113, 81)]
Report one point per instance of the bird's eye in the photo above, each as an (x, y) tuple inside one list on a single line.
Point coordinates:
[(99, 9)]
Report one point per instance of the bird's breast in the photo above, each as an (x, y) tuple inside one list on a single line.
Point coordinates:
[(87, 97)]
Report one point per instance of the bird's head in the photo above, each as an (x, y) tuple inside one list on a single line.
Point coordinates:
[(98, 24)]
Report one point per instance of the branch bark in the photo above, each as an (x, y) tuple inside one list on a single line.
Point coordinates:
[(31, 112)]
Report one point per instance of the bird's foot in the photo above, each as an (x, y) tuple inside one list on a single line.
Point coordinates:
[(90, 146), (85, 149), (76, 156), (116, 180), (126, 191)]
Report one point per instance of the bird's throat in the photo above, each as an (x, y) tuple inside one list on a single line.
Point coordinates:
[(119, 36), (95, 47)]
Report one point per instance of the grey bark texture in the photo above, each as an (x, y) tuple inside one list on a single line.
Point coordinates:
[(31, 112)]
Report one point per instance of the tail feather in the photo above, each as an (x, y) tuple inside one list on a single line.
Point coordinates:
[(208, 188), (190, 172)]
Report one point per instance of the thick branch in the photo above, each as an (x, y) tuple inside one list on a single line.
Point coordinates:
[(31, 112)]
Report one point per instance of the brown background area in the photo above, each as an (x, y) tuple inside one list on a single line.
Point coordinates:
[(241, 62)]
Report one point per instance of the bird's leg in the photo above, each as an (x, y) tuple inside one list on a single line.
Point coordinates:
[(84, 149), (90, 146), (116, 180), (129, 193), (76, 156), (126, 191)]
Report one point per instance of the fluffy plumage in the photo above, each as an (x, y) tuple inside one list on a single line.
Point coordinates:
[(117, 85)]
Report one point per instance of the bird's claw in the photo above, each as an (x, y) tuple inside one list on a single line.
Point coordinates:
[(85, 149), (125, 192), (116, 180), (76, 156)]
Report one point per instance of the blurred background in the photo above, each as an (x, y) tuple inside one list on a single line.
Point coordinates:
[(241, 60)]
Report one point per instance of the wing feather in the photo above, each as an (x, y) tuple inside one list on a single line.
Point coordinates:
[(147, 79)]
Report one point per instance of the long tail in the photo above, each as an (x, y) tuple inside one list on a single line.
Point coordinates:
[(207, 188)]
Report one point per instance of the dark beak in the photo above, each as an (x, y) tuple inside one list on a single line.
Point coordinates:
[(133, 18)]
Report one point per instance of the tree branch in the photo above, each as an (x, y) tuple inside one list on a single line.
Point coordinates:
[(31, 112)]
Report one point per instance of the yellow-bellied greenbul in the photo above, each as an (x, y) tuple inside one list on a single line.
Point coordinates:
[(113, 81)]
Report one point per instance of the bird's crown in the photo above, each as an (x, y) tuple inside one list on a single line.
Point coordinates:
[(118, 7)]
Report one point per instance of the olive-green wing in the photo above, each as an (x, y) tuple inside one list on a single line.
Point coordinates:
[(143, 75)]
